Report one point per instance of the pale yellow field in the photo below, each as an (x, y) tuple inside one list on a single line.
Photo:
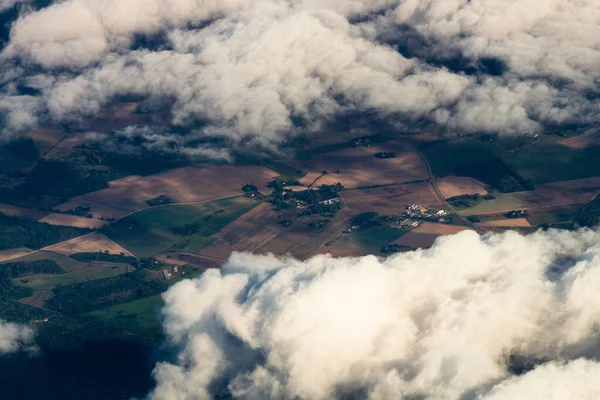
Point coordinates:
[(92, 243), (507, 223), (452, 186), (73, 220)]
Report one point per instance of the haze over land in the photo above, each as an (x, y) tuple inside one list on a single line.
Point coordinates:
[(260, 71)]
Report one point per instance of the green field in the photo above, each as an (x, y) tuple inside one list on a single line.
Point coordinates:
[(50, 281), (138, 316), (503, 201), (542, 162), (557, 216), (373, 239), (66, 263), (176, 227)]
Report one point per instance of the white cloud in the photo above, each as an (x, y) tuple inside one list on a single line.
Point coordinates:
[(15, 337), (260, 66), (438, 323)]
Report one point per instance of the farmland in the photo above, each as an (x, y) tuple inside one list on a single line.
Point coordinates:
[(425, 234), (542, 161), (153, 225), (453, 186), (73, 220), (49, 282), (357, 166), (138, 316), (66, 263), (551, 195), (94, 242), (391, 199), (183, 185), (176, 227)]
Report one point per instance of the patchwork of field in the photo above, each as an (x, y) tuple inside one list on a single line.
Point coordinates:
[(73, 220), (91, 243), (22, 212), (389, 200), (6, 255), (452, 186), (507, 223), (425, 234), (259, 233), (581, 141), (358, 166), (184, 185), (178, 227), (50, 281), (549, 195)]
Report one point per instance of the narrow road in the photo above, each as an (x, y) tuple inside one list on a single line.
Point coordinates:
[(436, 189)]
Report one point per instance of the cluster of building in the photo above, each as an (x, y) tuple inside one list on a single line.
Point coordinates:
[(415, 213), (168, 273)]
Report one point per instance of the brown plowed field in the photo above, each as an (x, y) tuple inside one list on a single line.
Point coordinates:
[(390, 199), (184, 185), (360, 168)]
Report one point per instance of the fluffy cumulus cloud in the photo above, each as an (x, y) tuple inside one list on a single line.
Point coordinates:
[(504, 316), (15, 337), (261, 70)]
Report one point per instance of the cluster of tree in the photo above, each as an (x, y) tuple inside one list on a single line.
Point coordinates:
[(249, 188), (187, 229), (385, 154), (318, 224), (313, 200), (473, 218), (516, 214), (589, 214), (365, 220), (496, 173), (393, 248), (16, 232), (105, 256), (465, 200), (82, 297), (160, 200), (285, 223), (10, 271), (82, 211)]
